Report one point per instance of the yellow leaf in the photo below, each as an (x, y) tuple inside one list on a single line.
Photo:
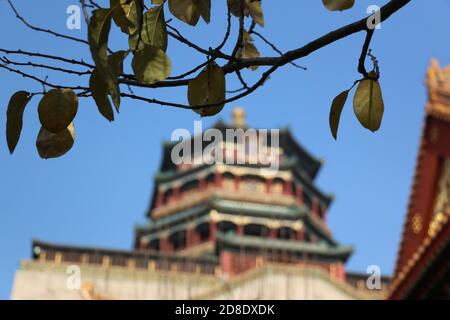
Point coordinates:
[(98, 33), (248, 49), (335, 5), (154, 30), (204, 8), (99, 89), (14, 116), (127, 14), (151, 65), (185, 10), (54, 145), (115, 62), (209, 87), (368, 104), (336, 110), (57, 109), (251, 8), (255, 10)]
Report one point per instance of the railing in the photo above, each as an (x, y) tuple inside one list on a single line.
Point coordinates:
[(196, 198), (132, 260)]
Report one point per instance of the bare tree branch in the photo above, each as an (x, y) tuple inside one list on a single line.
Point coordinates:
[(233, 64)]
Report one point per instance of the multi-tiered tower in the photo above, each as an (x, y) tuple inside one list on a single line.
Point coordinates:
[(220, 228), (241, 215)]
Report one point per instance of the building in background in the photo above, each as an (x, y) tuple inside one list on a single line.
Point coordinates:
[(215, 231), (423, 262)]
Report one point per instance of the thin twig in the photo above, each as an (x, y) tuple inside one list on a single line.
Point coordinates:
[(44, 66), (274, 48), (54, 33), (43, 82)]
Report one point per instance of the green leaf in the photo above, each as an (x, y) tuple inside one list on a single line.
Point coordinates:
[(100, 91), (151, 65), (99, 28), (338, 5), (14, 115), (98, 33), (154, 30), (368, 104), (119, 15), (209, 87), (251, 8), (255, 10), (57, 109), (185, 10), (336, 110), (248, 49), (54, 145), (127, 15), (204, 7), (115, 62)]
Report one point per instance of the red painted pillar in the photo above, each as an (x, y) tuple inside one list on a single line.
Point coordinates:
[(202, 183), (196, 236), (340, 271), (191, 239), (237, 181), (268, 185), (226, 263), (288, 187), (164, 244), (299, 193), (300, 234), (315, 207), (177, 193), (273, 233), (218, 179), (159, 199), (240, 230), (212, 230)]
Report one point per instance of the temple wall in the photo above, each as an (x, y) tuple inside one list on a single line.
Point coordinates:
[(38, 280), (286, 286)]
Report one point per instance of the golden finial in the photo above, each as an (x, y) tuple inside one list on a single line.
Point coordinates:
[(432, 82), (238, 118)]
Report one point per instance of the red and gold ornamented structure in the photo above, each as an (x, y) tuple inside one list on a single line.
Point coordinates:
[(423, 263)]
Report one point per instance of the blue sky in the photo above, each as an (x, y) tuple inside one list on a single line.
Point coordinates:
[(101, 189)]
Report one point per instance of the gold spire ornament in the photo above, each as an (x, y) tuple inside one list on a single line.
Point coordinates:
[(238, 118)]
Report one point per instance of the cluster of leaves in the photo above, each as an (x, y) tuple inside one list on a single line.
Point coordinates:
[(368, 104), (147, 34), (148, 41), (57, 109), (147, 31)]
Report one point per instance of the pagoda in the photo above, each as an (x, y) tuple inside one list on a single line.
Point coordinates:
[(254, 227), (241, 215)]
